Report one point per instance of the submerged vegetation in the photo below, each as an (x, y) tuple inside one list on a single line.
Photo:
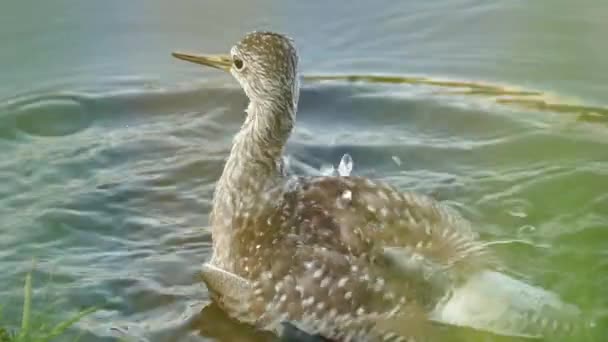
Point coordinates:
[(36, 328)]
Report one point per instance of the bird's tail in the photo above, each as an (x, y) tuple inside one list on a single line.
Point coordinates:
[(492, 301)]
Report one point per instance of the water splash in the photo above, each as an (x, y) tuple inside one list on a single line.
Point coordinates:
[(346, 165), (495, 302), (344, 169)]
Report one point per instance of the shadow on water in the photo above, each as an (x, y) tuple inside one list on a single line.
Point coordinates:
[(213, 323)]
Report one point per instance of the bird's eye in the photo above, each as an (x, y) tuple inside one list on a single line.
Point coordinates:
[(238, 64)]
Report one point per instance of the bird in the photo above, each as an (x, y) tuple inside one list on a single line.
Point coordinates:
[(340, 256)]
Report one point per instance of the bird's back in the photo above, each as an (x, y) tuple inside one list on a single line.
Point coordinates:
[(346, 257)]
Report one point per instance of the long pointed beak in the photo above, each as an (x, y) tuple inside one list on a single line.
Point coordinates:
[(222, 62)]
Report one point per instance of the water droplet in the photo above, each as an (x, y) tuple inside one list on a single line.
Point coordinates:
[(346, 165)]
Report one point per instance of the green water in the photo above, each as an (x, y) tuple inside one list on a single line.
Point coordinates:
[(110, 148)]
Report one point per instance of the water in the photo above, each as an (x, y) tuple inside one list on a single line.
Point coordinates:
[(110, 148)]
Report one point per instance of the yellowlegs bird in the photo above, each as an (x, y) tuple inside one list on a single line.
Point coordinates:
[(343, 257)]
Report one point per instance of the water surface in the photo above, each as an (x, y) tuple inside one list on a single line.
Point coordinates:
[(110, 148)]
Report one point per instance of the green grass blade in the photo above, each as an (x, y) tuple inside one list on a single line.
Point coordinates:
[(33, 326), (63, 326), (4, 335), (27, 307)]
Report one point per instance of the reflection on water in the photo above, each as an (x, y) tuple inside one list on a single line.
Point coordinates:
[(527, 99), (110, 149)]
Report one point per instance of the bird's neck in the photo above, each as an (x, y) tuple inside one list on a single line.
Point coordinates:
[(254, 164), (257, 150)]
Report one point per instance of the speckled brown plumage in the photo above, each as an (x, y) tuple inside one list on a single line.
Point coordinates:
[(314, 251)]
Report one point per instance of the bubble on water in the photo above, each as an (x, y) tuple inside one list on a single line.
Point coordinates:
[(516, 207), (526, 229), (344, 169), (517, 213)]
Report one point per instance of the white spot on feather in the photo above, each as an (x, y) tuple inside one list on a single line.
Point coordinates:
[(308, 301), (325, 282), (318, 273)]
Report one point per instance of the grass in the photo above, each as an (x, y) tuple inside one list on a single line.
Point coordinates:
[(34, 330)]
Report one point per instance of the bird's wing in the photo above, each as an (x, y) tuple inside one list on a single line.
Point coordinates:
[(371, 215)]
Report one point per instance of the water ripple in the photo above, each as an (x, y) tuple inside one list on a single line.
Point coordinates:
[(110, 190)]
